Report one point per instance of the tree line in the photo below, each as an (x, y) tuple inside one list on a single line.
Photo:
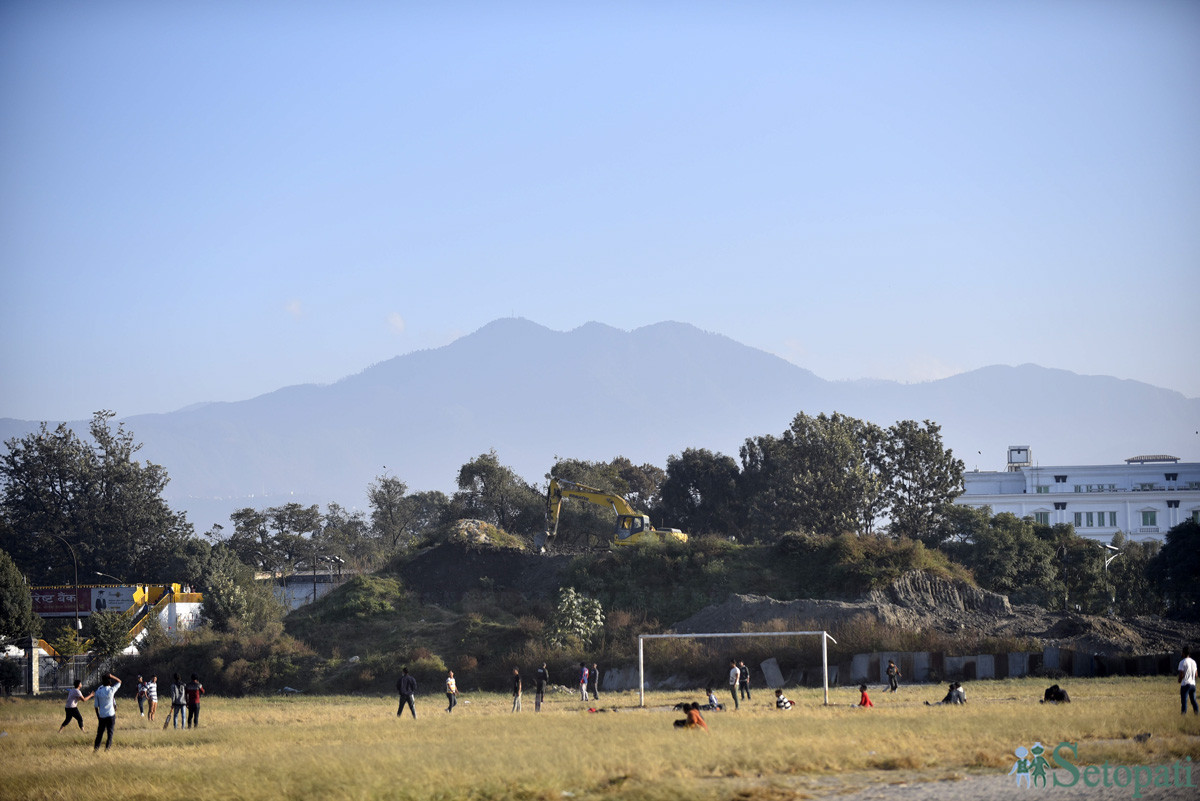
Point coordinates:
[(67, 501)]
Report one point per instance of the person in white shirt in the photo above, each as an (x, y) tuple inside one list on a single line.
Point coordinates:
[(152, 697), (106, 710), (1187, 682), (734, 676), (451, 691), (74, 697)]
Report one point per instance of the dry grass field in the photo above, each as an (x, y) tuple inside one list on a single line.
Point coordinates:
[(356, 748)]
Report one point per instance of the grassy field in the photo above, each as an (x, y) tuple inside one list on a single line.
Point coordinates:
[(344, 747)]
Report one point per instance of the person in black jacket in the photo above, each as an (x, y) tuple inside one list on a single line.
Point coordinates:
[(539, 695), (407, 687), (1055, 695)]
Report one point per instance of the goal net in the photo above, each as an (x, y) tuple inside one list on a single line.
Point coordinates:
[(824, 635)]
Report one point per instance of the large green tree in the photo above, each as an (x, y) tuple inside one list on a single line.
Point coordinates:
[(233, 600), (17, 619), (391, 511), (1134, 592), (491, 491), (700, 493), (1007, 556), (96, 496), (276, 538), (921, 479), (1175, 571), (822, 475)]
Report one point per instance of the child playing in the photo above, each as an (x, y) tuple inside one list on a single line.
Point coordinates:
[(866, 699), (781, 701)]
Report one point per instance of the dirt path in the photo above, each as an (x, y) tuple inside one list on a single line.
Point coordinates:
[(943, 786)]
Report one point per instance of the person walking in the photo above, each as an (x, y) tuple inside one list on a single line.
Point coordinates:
[(106, 710), (541, 680), (516, 685), (735, 676), (151, 698), (893, 673), (583, 681), (141, 696), (178, 704), (407, 687), (1187, 682), (75, 696), (451, 692), (191, 696), (744, 680), (595, 681)]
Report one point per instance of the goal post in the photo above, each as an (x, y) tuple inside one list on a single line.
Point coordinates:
[(824, 635)]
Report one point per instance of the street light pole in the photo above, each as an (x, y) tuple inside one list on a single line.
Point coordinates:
[(75, 562)]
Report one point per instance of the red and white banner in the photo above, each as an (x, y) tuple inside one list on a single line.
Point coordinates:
[(60, 601)]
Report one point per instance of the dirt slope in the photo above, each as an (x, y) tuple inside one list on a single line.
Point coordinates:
[(917, 601)]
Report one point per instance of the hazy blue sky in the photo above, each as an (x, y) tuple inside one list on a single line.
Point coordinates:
[(210, 200)]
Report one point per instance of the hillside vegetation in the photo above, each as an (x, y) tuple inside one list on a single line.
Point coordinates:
[(371, 626)]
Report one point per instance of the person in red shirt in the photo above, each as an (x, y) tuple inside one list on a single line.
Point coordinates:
[(191, 693), (866, 699)]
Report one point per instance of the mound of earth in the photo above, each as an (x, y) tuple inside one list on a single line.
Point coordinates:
[(920, 602), (444, 573)]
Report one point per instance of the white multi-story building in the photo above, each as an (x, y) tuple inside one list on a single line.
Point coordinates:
[(1143, 498)]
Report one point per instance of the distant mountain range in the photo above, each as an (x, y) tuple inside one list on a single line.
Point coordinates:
[(597, 392)]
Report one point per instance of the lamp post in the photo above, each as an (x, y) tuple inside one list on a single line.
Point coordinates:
[(75, 562), (114, 578), (1108, 559)]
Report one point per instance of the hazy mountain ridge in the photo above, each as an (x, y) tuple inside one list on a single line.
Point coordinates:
[(597, 392)]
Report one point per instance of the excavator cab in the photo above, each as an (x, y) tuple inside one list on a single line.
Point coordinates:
[(629, 527)]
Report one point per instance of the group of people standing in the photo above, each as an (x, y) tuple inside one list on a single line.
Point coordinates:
[(589, 682), (184, 696), (739, 681)]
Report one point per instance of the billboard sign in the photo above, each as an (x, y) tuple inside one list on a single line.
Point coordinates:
[(60, 601)]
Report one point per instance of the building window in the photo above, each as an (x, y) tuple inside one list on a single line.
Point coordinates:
[(1149, 518), (1171, 476), (1042, 489), (1060, 506), (1196, 517), (1060, 479), (1079, 488), (1043, 518), (1112, 519), (1172, 504), (1079, 520)]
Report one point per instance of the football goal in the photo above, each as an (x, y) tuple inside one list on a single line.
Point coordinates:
[(824, 635)]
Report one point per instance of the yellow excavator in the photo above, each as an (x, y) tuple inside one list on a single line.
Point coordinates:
[(632, 526)]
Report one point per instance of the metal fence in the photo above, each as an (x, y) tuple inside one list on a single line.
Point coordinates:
[(55, 674)]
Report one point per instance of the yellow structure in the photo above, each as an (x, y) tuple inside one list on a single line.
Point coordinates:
[(631, 528)]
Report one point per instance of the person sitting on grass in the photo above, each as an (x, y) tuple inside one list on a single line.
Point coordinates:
[(781, 701), (693, 720), (1055, 695), (712, 700), (954, 695), (866, 699)]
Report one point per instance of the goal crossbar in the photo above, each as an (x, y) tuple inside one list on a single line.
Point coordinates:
[(824, 635)]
